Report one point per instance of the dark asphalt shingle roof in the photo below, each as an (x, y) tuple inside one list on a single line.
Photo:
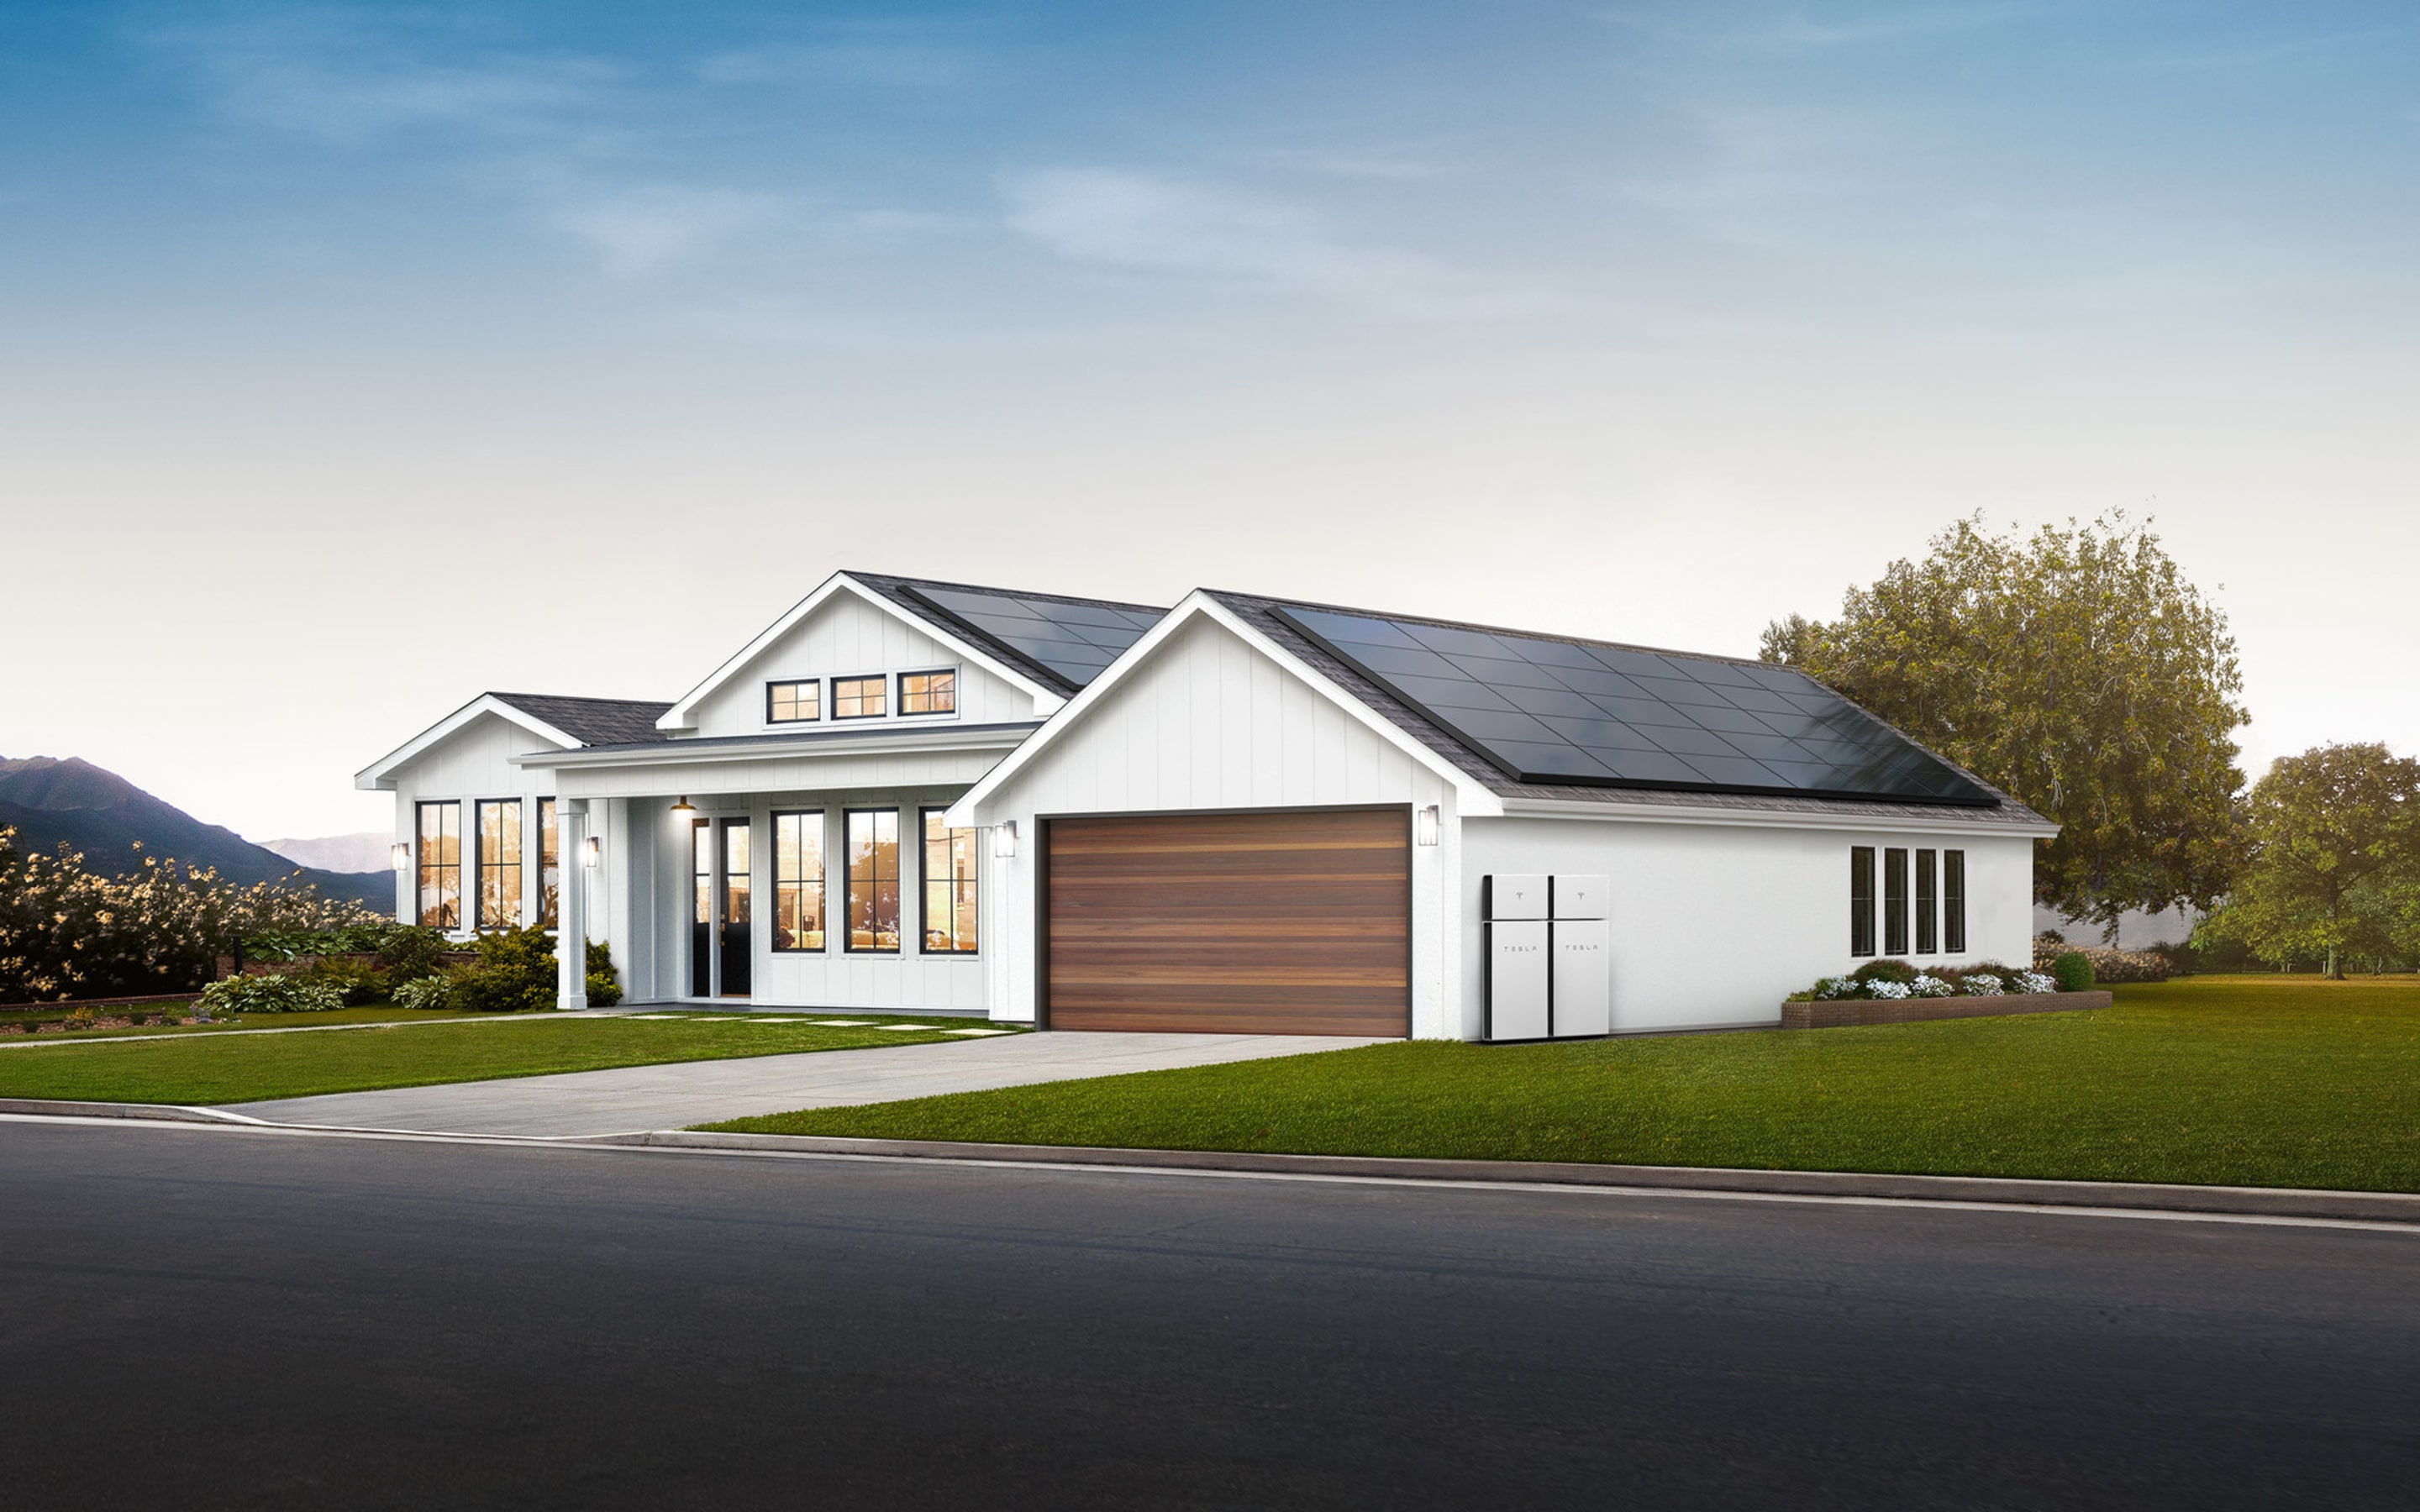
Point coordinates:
[(594, 721)]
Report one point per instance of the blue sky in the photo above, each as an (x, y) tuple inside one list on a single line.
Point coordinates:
[(358, 358)]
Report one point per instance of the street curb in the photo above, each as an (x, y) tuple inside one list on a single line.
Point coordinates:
[(2247, 1201), (2400, 1208)]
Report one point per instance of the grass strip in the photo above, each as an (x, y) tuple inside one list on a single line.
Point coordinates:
[(2256, 1081), (239, 1068)]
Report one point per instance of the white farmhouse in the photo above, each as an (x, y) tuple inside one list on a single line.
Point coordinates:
[(1240, 813)]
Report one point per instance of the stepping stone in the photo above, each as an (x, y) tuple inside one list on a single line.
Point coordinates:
[(840, 1023), (655, 1016), (902, 1025), (972, 1032), (776, 1020)]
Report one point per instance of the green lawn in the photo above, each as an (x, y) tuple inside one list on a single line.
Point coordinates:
[(2234, 1080), (234, 1067)]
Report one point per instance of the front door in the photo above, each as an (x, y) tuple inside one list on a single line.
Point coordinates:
[(722, 943)]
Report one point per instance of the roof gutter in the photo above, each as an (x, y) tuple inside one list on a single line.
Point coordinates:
[(1929, 822), (681, 752)]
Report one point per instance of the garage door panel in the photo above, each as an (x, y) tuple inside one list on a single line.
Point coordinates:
[(1282, 922)]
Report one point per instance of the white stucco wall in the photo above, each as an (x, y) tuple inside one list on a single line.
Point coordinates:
[(1210, 722), (1715, 924), (847, 637)]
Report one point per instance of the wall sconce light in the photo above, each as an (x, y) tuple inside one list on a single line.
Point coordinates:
[(590, 853), (1004, 839), (1424, 825), (402, 857), (684, 806)]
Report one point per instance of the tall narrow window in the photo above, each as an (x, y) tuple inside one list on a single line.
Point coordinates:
[(1894, 903), (500, 863), (928, 692), (799, 881), (950, 887), (794, 702), (1928, 902), (1953, 899), (874, 880), (1861, 900), (860, 698), (550, 864), (440, 865)]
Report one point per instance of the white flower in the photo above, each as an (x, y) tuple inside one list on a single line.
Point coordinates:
[(1834, 987), (1930, 986), (2036, 982), (1983, 984), (1889, 989)]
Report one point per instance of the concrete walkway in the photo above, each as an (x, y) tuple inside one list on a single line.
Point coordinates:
[(636, 1098)]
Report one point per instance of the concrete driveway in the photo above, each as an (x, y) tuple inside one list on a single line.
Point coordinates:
[(639, 1098)]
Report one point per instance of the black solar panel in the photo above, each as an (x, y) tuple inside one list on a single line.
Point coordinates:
[(1073, 640), (1562, 711)]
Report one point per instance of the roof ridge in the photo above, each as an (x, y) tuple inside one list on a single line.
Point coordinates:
[(896, 580), (1491, 629), (580, 698)]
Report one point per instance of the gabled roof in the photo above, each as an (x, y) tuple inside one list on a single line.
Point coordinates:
[(594, 721), (900, 595), (1060, 641), (568, 723), (1267, 616)]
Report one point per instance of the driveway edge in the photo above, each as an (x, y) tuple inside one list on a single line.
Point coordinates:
[(2255, 1201)]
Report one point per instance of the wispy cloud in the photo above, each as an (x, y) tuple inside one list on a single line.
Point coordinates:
[(648, 228), (1144, 222), (872, 63)]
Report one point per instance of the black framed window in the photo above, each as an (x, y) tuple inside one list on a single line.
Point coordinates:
[(874, 880), (1953, 900), (440, 865), (799, 881), (860, 698), (500, 863), (1894, 901), (1861, 900), (794, 702), (953, 884), (1927, 905), (550, 864), (928, 692)]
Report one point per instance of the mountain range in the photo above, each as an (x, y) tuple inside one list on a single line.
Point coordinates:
[(49, 801)]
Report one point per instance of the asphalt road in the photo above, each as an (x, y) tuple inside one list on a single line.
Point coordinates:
[(233, 1319)]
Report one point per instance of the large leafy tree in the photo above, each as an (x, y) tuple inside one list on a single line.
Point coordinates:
[(2076, 669), (2331, 871)]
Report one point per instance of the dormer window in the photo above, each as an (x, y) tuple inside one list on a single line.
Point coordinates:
[(928, 692), (860, 698), (794, 702)]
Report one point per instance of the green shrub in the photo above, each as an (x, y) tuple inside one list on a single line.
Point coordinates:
[(413, 950), (2073, 970), (1885, 970), (271, 993), (357, 982), (515, 974), (423, 992), (604, 984)]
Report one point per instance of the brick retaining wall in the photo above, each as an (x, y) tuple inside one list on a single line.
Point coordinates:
[(1850, 1013)]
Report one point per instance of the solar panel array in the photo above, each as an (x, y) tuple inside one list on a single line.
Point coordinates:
[(1562, 711), (1073, 640)]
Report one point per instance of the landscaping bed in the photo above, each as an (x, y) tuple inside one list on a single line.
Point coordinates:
[(1844, 1014), (2251, 1081)]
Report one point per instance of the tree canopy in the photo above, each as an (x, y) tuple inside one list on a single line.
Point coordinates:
[(2331, 869), (2076, 669)]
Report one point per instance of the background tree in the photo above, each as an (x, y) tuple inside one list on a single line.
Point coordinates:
[(2076, 669), (2331, 871)]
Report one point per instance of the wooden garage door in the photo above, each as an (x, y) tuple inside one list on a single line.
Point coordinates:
[(1292, 923)]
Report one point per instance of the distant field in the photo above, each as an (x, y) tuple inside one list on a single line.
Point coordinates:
[(2256, 1081), (241, 1068)]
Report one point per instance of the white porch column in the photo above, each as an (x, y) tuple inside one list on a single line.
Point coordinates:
[(571, 907)]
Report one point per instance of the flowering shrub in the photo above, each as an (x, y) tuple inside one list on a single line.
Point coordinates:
[(1985, 980), (1931, 986), (69, 933), (1886, 989), (2036, 982), (1983, 984), (1827, 989), (428, 992), (271, 993)]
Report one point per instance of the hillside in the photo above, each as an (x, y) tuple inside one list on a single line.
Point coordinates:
[(48, 801)]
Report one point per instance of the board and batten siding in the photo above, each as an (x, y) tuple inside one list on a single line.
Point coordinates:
[(476, 763), (847, 637), (1209, 721), (1715, 924)]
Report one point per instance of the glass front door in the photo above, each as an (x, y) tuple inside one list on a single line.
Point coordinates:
[(722, 945)]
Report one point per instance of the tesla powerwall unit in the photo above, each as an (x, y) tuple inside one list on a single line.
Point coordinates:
[(1513, 910), (1579, 981)]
